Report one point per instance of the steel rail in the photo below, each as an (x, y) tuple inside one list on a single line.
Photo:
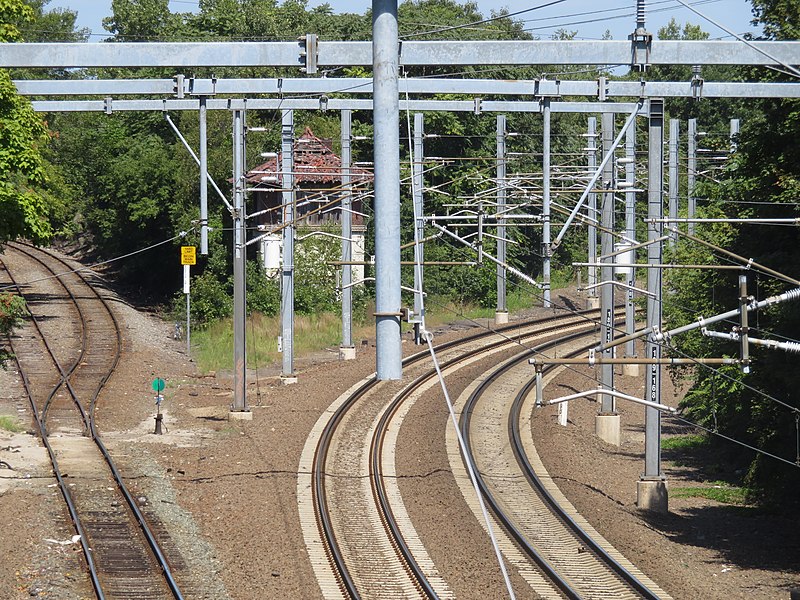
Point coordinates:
[(536, 482), (141, 521), (552, 503), (541, 561), (318, 488), (62, 486)]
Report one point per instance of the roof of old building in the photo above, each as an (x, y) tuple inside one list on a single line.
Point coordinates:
[(314, 161)]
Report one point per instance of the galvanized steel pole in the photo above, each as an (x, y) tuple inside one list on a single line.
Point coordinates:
[(502, 310), (547, 251), (607, 270), (203, 177), (674, 132), (386, 120), (691, 172), (289, 217), (347, 234), (419, 225), (591, 206), (655, 210), (630, 233), (239, 262)]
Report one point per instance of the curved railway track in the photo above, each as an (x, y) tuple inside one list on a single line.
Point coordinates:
[(65, 357), (370, 548), (531, 509)]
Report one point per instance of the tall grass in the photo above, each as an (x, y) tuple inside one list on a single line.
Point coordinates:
[(212, 347), (10, 424)]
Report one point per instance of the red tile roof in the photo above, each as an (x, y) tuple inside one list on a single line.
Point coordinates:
[(314, 161)]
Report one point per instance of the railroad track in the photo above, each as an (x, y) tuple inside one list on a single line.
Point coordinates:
[(360, 539), (66, 353), (539, 523)]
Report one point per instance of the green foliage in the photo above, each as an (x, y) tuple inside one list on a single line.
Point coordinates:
[(683, 442), (263, 293), (211, 300), (12, 310), (315, 278), (718, 492), (10, 424), (22, 135)]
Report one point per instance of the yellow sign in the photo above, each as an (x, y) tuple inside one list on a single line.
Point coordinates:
[(188, 255)]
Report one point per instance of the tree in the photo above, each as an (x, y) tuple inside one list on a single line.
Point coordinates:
[(22, 136), (761, 180)]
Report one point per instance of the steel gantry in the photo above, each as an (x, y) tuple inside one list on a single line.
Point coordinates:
[(387, 56)]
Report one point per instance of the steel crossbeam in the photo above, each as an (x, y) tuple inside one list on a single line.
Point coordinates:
[(180, 87), (411, 53)]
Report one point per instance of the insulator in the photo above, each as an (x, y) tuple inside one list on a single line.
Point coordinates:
[(793, 347)]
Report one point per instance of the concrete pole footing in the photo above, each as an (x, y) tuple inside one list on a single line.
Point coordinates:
[(652, 496), (501, 317), (607, 428), (347, 352), (592, 302), (288, 379), (240, 415)]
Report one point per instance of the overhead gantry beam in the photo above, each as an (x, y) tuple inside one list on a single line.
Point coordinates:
[(442, 53), (188, 87)]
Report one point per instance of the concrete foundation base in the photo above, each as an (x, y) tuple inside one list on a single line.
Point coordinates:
[(288, 379), (607, 428), (347, 352), (240, 415), (501, 317), (631, 370), (592, 302), (651, 495)]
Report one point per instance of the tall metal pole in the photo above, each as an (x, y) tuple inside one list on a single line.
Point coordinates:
[(287, 275), (607, 270), (734, 134), (651, 490), (674, 132), (691, 172), (547, 251), (419, 226), (347, 351), (501, 313), (630, 233), (203, 177), (591, 208), (386, 120), (239, 263)]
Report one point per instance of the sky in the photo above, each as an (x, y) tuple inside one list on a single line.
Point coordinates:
[(589, 18)]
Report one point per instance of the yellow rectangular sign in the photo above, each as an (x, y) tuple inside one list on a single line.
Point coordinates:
[(188, 255)]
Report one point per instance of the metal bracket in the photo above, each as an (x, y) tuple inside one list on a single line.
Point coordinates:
[(697, 82), (602, 89), (310, 51), (641, 41), (203, 87), (477, 106), (178, 86), (107, 105)]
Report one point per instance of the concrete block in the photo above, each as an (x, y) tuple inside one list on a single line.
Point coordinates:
[(501, 317), (652, 496), (288, 379), (347, 352), (607, 428), (240, 415), (592, 302)]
